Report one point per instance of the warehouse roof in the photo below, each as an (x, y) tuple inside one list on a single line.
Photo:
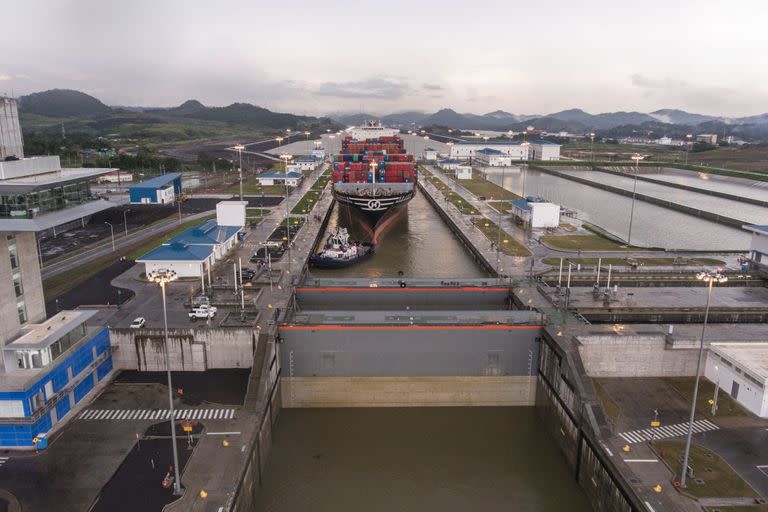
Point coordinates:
[(521, 204), (763, 230), (178, 251), (157, 181), (207, 233), (748, 356), (489, 151), (280, 175)]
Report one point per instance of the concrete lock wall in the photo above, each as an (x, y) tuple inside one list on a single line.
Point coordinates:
[(407, 391), (355, 298), (189, 349), (634, 356), (408, 365)]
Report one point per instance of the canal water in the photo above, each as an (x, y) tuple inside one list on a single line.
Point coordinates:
[(417, 243), (749, 213), (727, 184), (416, 459), (653, 226)]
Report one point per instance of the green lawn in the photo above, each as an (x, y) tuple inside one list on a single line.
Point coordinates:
[(720, 481), (582, 243), (745, 508), (307, 202), (481, 187), (257, 212), (509, 245), (455, 199), (642, 261), (726, 406), (251, 187), (501, 206)]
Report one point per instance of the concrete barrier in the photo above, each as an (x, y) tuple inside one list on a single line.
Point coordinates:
[(430, 391)]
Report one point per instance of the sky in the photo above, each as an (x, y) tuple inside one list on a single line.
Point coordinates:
[(394, 55)]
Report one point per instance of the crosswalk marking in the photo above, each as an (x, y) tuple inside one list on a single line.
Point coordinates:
[(155, 414), (676, 430), (3, 460)]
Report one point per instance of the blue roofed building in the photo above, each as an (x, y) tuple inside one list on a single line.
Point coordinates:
[(492, 158), (193, 252), (291, 178), (163, 189)]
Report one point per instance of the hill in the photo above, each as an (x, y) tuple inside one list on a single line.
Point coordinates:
[(63, 103)]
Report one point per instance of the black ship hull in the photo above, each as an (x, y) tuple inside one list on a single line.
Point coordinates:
[(374, 209)]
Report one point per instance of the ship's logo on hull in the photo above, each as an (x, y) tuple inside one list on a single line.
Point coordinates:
[(374, 204)]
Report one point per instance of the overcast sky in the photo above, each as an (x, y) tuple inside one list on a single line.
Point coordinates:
[(382, 56)]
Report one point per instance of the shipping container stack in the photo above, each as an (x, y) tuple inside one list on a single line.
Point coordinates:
[(393, 164)]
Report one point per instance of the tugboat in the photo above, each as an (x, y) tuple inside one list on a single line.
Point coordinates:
[(339, 252)]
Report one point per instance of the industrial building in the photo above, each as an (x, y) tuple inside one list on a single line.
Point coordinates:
[(535, 212), (464, 150), (319, 153), (49, 366), (193, 252), (430, 154), (544, 150), (492, 158), (707, 138), (291, 178), (741, 370), (309, 163), (758, 250), (163, 189), (115, 177)]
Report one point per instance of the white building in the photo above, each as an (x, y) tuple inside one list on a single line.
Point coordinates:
[(291, 178), (116, 177), (492, 158), (707, 138), (544, 150), (430, 154), (193, 252), (759, 246), (536, 213), (462, 150), (318, 153), (309, 163), (741, 370), (464, 172), (448, 165)]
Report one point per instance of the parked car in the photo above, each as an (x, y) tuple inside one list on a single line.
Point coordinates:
[(202, 312), (138, 323), (248, 274)]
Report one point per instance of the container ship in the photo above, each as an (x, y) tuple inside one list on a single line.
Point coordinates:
[(373, 174)]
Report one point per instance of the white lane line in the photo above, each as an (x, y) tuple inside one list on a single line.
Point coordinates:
[(650, 508), (641, 460), (223, 433)]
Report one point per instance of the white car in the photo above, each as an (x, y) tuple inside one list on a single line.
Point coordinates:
[(203, 312), (138, 323)]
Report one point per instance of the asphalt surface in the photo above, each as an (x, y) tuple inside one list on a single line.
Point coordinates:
[(96, 290), (225, 387), (137, 483)]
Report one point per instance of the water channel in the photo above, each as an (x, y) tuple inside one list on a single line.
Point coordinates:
[(653, 226), (419, 459), (418, 243), (730, 185)]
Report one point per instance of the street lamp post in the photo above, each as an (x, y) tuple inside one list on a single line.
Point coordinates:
[(687, 146), (285, 158), (636, 157), (710, 278), (239, 148), (592, 147), (306, 134), (125, 220), (163, 277), (112, 230)]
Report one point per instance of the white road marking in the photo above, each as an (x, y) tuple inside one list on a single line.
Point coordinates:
[(649, 507), (223, 433), (156, 414), (676, 430), (641, 460)]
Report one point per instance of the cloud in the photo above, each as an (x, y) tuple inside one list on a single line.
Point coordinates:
[(645, 82), (432, 87), (5, 77), (373, 88)]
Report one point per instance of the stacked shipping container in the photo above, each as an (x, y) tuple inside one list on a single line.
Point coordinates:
[(380, 160)]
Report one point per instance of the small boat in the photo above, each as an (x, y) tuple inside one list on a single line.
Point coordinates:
[(339, 252)]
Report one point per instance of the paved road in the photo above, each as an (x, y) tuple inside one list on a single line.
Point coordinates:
[(149, 232)]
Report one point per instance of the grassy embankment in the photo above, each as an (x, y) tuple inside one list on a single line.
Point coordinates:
[(509, 245), (309, 200), (65, 281), (720, 480)]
